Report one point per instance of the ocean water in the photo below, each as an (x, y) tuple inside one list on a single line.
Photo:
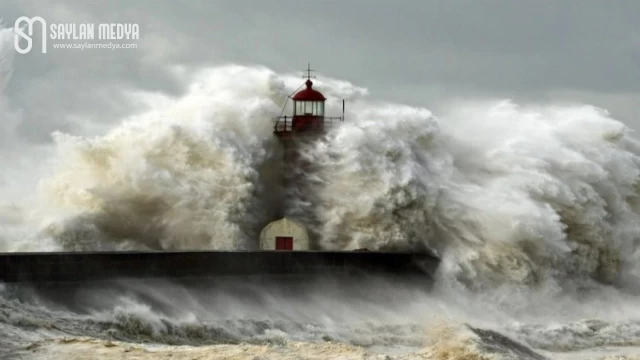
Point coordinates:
[(533, 209)]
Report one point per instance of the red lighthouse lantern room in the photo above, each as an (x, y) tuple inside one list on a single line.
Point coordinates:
[(308, 116)]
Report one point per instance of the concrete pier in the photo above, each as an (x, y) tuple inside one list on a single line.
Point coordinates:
[(95, 266)]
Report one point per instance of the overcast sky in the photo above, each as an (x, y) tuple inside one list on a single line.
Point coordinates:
[(417, 52)]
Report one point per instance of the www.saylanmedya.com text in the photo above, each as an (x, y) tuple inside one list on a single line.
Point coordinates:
[(88, 45)]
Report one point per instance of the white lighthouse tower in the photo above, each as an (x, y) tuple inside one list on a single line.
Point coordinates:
[(306, 124)]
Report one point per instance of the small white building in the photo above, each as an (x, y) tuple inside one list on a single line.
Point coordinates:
[(284, 234)]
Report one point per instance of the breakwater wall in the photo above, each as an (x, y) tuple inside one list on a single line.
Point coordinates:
[(90, 266)]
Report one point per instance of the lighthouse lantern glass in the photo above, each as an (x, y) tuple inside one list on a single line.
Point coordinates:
[(314, 108)]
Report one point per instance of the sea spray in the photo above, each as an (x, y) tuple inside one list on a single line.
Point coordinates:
[(503, 192)]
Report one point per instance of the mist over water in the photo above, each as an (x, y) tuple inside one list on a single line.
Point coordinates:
[(533, 209)]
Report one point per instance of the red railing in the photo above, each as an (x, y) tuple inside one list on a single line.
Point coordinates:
[(284, 124)]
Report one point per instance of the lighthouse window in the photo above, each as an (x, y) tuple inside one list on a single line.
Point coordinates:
[(315, 108), (318, 108)]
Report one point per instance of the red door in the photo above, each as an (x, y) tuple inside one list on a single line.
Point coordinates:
[(284, 243)]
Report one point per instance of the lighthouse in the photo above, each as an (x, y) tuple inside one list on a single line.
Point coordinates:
[(306, 124)]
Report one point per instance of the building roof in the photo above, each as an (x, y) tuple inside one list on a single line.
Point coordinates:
[(309, 94)]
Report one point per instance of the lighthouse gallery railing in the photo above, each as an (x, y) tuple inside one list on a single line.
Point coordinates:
[(284, 124)]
